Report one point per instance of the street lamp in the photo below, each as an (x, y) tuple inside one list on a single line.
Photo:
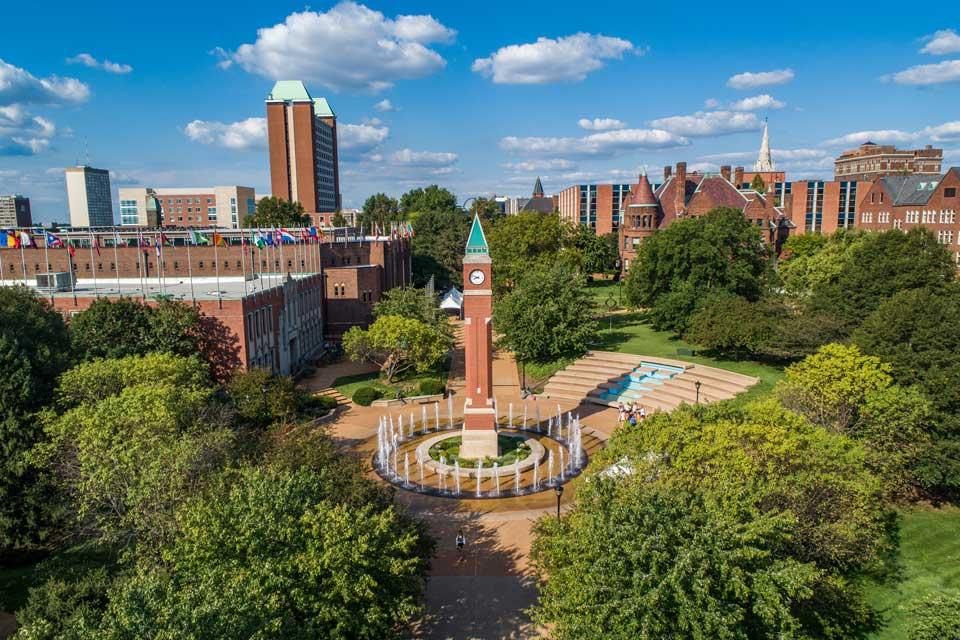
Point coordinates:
[(697, 385), (559, 490)]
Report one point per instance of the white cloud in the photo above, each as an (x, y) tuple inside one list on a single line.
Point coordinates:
[(880, 136), (945, 131), (384, 106), (708, 123), (357, 139), (608, 142), (754, 79), (566, 59), (22, 135), (941, 42), (244, 134), (601, 124), (19, 86), (411, 158), (539, 165), (754, 103), (88, 60), (349, 47), (926, 74), (778, 154)]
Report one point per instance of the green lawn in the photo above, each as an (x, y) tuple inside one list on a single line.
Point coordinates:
[(928, 561), (409, 385), (631, 334), (603, 290)]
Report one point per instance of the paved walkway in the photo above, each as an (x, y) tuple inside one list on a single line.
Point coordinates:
[(484, 594)]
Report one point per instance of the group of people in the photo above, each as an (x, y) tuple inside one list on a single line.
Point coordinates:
[(632, 413)]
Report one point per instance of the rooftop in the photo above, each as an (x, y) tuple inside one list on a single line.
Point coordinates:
[(177, 288), (289, 90)]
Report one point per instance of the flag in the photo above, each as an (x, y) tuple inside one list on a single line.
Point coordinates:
[(164, 239), (258, 241), (96, 245), (157, 249), (410, 231), (11, 239), (26, 240), (198, 238), (219, 240), (70, 249), (305, 234), (313, 233), (54, 241), (285, 236), (268, 237)]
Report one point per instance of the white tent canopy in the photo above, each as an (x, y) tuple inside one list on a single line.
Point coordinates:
[(452, 300)]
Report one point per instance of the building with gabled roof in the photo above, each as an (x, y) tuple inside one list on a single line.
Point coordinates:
[(539, 202)]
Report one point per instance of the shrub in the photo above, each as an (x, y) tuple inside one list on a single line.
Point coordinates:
[(432, 387), (316, 405), (364, 396)]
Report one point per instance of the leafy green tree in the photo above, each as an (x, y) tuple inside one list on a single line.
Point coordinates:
[(438, 243), (487, 208), (879, 266), (34, 350), (432, 198), (261, 399), (410, 302), (277, 212), (758, 185), (732, 324), (379, 210), (523, 242), (397, 344), (720, 252), (111, 329), (599, 254), (640, 560), (810, 260), (271, 554), (936, 616), (175, 328), (129, 459), (338, 220), (548, 314)]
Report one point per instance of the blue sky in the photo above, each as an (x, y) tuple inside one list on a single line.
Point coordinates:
[(480, 97)]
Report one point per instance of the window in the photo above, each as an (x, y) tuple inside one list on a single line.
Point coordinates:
[(898, 224), (929, 217), (945, 237), (947, 216), (866, 217), (950, 192)]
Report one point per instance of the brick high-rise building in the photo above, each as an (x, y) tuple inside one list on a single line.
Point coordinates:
[(302, 139), (821, 206), (89, 197), (15, 211), (593, 205), (224, 207), (871, 161)]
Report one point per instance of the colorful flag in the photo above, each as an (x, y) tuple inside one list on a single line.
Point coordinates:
[(198, 238), (305, 234), (285, 236), (410, 231), (96, 245), (258, 240), (54, 241), (313, 233), (26, 240), (10, 239), (70, 249), (268, 237), (219, 240), (164, 239)]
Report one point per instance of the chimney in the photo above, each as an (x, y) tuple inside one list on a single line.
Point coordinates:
[(667, 172), (680, 194), (738, 177), (725, 172)]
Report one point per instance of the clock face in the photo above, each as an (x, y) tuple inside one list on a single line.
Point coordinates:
[(477, 277)]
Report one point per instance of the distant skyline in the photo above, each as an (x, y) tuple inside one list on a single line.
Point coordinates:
[(480, 98)]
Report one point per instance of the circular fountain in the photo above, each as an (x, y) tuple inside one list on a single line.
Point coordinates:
[(535, 456)]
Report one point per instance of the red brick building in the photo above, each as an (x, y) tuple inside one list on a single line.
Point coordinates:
[(872, 161), (906, 201), (683, 195), (821, 206), (593, 205)]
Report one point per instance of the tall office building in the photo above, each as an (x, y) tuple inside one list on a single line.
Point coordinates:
[(15, 211), (302, 136), (89, 198)]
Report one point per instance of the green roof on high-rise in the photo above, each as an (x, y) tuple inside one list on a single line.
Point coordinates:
[(477, 241), (321, 108), (289, 90)]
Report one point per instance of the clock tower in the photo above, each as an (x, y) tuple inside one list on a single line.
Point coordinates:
[(479, 437)]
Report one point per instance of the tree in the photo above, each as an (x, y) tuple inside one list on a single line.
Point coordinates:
[(175, 328), (547, 315), (261, 399), (277, 212), (810, 260), (397, 344), (636, 559), (487, 208), (721, 252), (935, 616), (438, 243), (34, 350), (734, 325), (524, 242), (379, 211), (273, 554), (410, 302), (432, 198), (112, 329), (758, 185), (338, 220), (599, 254)]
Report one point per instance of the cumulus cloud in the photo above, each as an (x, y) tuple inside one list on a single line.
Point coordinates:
[(384, 106), (244, 134), (411, 158), (354, 140), (566, 59), (754, 103), (601, 124), (941, 42), (943, 132), (349, 47), (708, 123), (754, 79), (19, 86), (879, 136), (927, 74), (607, 142), (88, 60), (539, 165), (22, 134)]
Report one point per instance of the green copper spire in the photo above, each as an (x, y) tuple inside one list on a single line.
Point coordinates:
[(476, 241)]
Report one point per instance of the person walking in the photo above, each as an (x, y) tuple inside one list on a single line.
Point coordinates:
[(461, 542)]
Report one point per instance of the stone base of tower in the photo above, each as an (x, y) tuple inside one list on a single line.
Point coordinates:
[(477, 443)]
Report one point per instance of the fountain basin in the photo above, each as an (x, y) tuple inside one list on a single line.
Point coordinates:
[(537, 452)]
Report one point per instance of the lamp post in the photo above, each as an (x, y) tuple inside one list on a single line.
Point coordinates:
[(559, 490), (697, 385)]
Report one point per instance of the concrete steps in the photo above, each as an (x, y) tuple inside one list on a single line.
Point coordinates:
[(333, 393)]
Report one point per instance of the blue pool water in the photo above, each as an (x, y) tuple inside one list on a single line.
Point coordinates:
[(639, 382)]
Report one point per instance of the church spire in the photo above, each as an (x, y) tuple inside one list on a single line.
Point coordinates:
[(538, 188), (764, 161)]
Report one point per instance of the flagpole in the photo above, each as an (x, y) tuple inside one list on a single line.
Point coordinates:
[(283, 260), (216, 265), (46, 259), (193, 298), (116, 260), (70, 266), (243, 262), (93, 268), (163, 272), (140, 266), (23, 260)]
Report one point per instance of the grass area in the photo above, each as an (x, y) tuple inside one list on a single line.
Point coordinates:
[(512, 448), (928, 562), (631, 334), (538, 372), (409, 385), (603, 290)]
